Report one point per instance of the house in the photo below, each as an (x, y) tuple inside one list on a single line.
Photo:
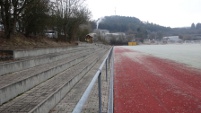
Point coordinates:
[(89, 38), (172, 39), (101, 32)]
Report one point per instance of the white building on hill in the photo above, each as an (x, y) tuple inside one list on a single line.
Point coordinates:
[(172, 39)]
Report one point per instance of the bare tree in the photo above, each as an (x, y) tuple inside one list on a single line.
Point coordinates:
[(70, 14), (10, 11), (35, 17)]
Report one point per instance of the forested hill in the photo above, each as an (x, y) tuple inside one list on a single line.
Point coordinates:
[(142, 30), (128, 24)]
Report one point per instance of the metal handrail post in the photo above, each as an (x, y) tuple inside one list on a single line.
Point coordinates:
[(99, 93), (78, 107), (106, 68)]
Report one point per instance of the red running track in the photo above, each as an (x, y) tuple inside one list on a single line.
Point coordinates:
[(147, 84)]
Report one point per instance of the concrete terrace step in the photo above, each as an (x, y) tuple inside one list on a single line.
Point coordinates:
[(46, 95), (39, 51), (28, 62), (16, 83), (68, 103)]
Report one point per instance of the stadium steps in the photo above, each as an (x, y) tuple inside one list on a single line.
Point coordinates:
[(35, 57), (13, 84), (39, 88), (68, 103)]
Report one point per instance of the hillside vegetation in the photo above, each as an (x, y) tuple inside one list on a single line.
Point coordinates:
[(37, 17), (143, 30), (125, 24)]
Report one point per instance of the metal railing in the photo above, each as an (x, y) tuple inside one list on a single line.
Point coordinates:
[(79, 106), (110, 102)]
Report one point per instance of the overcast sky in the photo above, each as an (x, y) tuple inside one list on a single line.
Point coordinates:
[(169, 13)]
